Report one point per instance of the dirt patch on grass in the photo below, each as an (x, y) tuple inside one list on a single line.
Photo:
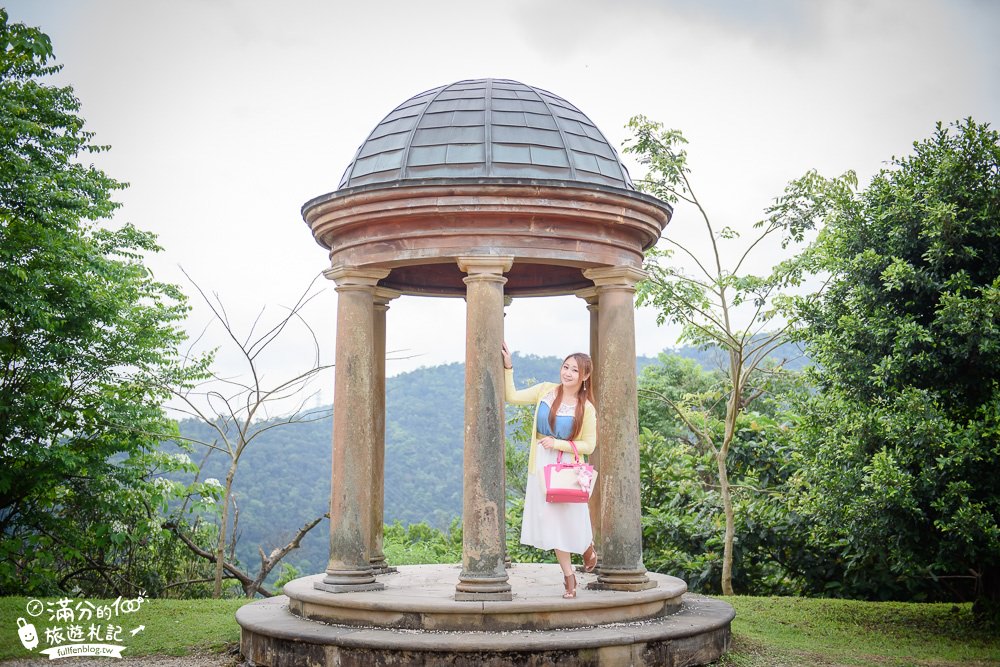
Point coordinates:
[(193, 660)]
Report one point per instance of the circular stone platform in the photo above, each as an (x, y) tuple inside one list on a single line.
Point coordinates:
[(416, 620)]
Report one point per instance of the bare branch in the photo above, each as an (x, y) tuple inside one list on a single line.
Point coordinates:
[(267, 563), (690, 254), (229, 567), (760, 238)]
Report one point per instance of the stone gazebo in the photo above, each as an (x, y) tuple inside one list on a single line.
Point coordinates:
[(488, 190)]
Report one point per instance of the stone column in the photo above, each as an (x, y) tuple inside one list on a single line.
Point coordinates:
[(590, 296), (618, 423), (382, 297), (483, 575), (507, 300), (354, 434)]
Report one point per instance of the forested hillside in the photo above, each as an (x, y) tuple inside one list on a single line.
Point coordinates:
[(284, 479)]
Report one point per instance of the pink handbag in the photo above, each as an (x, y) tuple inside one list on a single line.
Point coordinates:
[(569, 482)]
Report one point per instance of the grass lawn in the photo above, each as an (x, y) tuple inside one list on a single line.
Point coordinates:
[(171, 627), (773, 632), (767, 632)]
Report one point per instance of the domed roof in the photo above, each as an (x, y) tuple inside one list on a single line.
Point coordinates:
[(492, 129)]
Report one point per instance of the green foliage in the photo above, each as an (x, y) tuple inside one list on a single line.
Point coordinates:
[(682, 504), (419, 543), (904, 443), (288, 573), (671, 380), (915, 296), (682, 512), (681, 535), (728, 307), (87, 340)]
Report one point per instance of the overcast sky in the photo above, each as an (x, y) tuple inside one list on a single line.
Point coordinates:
[(225, 116)]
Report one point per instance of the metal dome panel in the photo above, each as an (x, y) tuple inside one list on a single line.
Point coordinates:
[(487, 129)]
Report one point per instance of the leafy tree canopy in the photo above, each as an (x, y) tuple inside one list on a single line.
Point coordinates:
[(905, 439), (915, 300), (86, 338)]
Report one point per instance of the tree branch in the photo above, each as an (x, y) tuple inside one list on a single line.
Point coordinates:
[(236, 573)]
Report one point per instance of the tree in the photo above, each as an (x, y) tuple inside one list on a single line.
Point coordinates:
[(905, 440), (726, 306), (237, 411), (87, 338), (682, 505)]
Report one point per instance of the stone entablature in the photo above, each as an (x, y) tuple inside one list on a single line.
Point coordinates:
[(550, 230)]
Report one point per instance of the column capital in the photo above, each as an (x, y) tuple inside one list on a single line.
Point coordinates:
[(588, 294), (615, 276), (353, 276), (488, 264), (383, 295)]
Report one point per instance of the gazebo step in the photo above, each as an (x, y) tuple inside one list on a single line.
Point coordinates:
[(696, 632), (422, 597)]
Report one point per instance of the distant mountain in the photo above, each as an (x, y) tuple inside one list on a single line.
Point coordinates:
[(284, 478)]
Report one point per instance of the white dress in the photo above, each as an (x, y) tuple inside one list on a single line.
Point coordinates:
[(563, 526)]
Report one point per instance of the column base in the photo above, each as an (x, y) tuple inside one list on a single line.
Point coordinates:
[(476, 589), (348, 588), (484, 597), (348, 581), (621, 580), (380, 566)]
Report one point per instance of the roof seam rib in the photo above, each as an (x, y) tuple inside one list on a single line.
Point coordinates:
[(488, 126), (562, 133), (403, 164), (346, 178), (626, 178)]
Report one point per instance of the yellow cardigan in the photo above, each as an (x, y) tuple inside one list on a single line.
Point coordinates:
[(585, 442)]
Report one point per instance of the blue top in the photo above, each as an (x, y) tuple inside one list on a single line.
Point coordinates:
[(564, 423)]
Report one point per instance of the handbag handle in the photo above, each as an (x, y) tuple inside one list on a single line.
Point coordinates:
[(576, 454)]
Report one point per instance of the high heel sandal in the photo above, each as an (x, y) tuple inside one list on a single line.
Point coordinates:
[(590, 562), (570, 592)]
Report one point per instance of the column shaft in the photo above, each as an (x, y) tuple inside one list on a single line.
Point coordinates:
[(590, 296), (382, 298), (618, 421), (483, 574), (349, 568)]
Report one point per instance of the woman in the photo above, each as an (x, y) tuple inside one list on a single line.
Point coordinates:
[(563, 412)]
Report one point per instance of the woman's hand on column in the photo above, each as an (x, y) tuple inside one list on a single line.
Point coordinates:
[(505, 353)]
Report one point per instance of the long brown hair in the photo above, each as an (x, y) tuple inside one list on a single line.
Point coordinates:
[(585, 393)]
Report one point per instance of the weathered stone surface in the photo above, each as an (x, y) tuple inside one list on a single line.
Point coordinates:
[(618, 432), (354, 432), (551, 230), (696, 632), (422, 597), (382, 297), (590, 296), (483, 576)]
